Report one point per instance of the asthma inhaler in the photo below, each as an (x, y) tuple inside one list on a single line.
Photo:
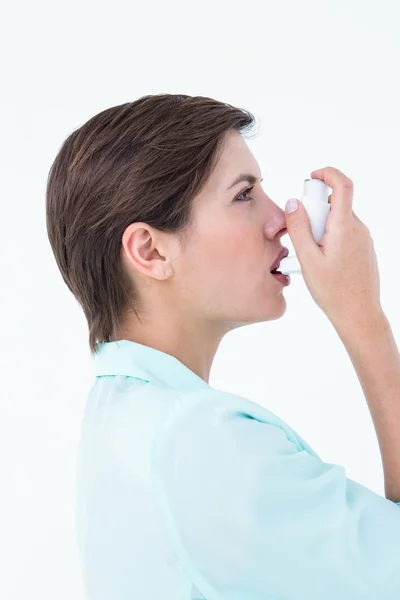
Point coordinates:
[(315, 200)]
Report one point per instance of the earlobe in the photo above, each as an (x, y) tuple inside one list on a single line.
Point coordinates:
[(168, 270)]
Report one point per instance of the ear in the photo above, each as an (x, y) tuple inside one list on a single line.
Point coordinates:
[(145, 251)]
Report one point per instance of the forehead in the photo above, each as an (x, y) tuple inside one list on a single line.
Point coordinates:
[(236, 158)]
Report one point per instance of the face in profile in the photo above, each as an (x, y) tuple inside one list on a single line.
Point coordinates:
[(224, 270)]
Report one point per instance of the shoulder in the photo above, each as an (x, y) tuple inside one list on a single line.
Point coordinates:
[(212, 432), (210, 407)]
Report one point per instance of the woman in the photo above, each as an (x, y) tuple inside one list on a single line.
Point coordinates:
[(163, 233)]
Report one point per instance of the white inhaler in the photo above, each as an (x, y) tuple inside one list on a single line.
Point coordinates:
[(315, 200)]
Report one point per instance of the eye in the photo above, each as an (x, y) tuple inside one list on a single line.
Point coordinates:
[(244, 193)]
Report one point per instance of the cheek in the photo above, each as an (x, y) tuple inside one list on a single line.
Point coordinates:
[(224, 251), (232, 261)]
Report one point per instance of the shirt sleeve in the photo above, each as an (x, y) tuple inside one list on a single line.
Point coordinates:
[(262, 519)]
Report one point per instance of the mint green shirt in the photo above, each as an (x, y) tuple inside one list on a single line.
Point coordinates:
[(185, 491)]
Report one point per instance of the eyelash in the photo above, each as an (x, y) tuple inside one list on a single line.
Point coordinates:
[(247, 191)]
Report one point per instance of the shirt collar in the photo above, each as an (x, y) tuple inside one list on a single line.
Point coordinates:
[(124, 357)]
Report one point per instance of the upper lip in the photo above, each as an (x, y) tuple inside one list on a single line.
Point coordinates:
[(282, 254)]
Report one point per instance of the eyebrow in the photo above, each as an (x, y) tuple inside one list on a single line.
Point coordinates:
[(244, 177)]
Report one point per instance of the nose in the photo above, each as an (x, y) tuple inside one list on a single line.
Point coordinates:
[(276, 222), (281, 223)]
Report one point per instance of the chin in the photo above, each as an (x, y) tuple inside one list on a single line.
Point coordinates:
[(276, 309)]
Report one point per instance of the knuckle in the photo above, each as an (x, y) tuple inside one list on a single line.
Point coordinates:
[(366, 229), (362, 226), (347, 183), (339, 175)]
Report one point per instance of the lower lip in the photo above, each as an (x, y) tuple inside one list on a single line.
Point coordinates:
[(283, 279)]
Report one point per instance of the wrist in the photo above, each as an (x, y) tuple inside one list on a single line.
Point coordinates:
[(362, 327)]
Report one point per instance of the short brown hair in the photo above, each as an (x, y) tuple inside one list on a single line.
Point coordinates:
[(140, 161)]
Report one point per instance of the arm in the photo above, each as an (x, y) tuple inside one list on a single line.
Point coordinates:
[(257, 518), (375, 357)]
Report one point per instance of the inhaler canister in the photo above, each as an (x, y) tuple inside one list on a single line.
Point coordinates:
[(315, 200)]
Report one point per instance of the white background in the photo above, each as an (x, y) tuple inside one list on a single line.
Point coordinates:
[(322, 78)]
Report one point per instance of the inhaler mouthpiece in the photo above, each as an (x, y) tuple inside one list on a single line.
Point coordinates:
[(315, 201)]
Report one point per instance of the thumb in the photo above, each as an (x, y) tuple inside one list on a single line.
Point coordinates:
[(299, 227)]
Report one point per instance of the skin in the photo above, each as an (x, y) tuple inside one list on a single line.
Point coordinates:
[(220, 279)]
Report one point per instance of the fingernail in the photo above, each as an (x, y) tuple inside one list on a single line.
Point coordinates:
[(291, 205)]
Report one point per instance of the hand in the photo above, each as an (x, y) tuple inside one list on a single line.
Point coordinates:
[(341, 271)]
